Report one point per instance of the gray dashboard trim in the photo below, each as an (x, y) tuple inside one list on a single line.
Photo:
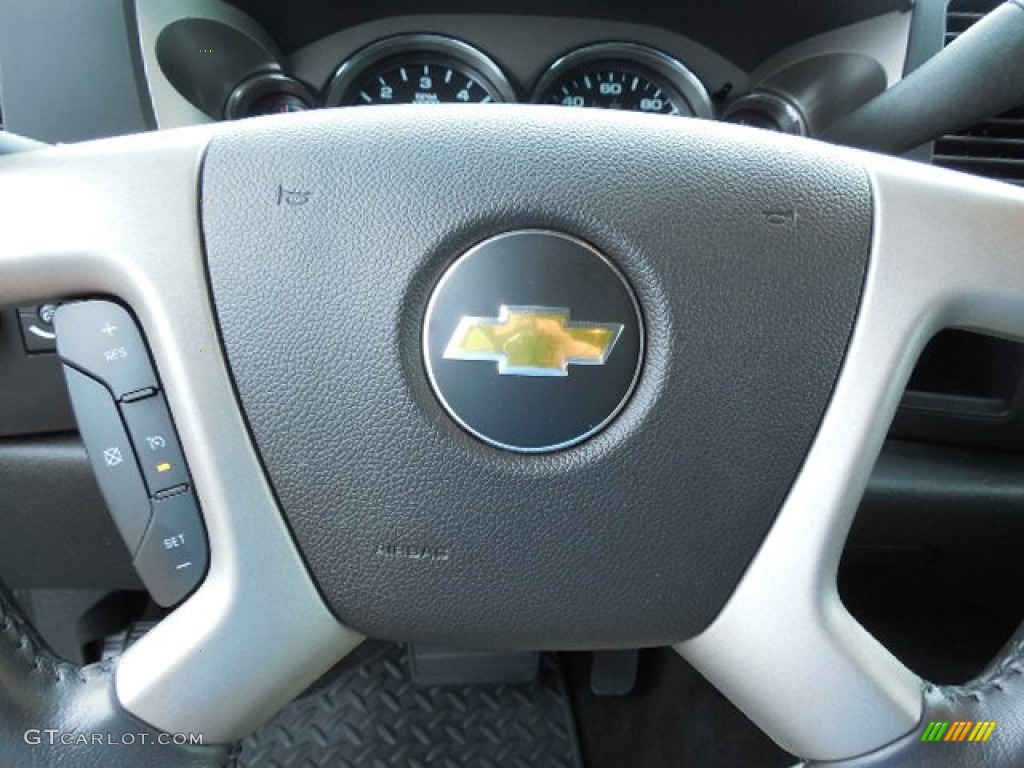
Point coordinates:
[(257, 627), (927, 33), (946, 254), (883, 38), (170, 108), (67, 70), (138, 64), (524, 46), (927, 38)]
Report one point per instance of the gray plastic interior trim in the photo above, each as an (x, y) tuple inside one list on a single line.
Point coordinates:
[(785, 650), (171, 109), (523, 46), (927, 33), (120, 218), (11, 143), (884, 38)]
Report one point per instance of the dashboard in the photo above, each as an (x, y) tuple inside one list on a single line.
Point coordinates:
[(429, 68), (208, 61), (432, 69), (125, 67)]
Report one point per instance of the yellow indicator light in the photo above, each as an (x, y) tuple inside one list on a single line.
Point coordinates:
[(163, 467)]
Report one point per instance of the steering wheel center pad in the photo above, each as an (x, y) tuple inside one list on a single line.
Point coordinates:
[(325, 240)]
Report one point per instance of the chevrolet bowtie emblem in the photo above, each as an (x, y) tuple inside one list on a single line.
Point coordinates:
[(532, 341)]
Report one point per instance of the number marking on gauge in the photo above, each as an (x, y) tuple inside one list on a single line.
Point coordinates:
[(623, 76), (418, 69)]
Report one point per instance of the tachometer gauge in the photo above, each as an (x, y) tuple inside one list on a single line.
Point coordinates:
[(418, 69), (623, 76)]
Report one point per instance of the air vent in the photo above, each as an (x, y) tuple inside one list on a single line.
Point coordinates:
[(961, 15), (995, 147)]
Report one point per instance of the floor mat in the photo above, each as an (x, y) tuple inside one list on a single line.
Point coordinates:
[(373, 716), (673, 719)]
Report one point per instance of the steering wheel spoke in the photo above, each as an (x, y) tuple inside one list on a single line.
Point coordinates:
[(946, 253), (121, 219)]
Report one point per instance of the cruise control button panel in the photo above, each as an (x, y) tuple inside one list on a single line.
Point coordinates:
[(130, 438), (101, 339), (110, 451)]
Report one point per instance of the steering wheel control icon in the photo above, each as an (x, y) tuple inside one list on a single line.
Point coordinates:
[(113, 456)]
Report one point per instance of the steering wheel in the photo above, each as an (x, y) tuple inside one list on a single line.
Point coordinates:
[(743, 308)]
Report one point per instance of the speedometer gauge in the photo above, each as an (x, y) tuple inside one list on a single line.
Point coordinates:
[(623, 76), (418, 69), (614, 88)]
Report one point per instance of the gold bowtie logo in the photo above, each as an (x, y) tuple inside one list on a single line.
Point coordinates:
[(532, 341)]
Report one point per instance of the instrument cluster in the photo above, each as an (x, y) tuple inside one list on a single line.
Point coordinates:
[(433, 69)]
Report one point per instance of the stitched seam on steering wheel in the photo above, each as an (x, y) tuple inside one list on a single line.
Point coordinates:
[(15, 632), (233, 756), (42, 660), (1010, 666)]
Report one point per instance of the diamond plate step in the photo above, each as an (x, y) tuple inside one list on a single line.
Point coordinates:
[(374, 717)]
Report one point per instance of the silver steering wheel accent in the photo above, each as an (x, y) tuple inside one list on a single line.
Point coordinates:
[(785, 650), (121, 218)]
